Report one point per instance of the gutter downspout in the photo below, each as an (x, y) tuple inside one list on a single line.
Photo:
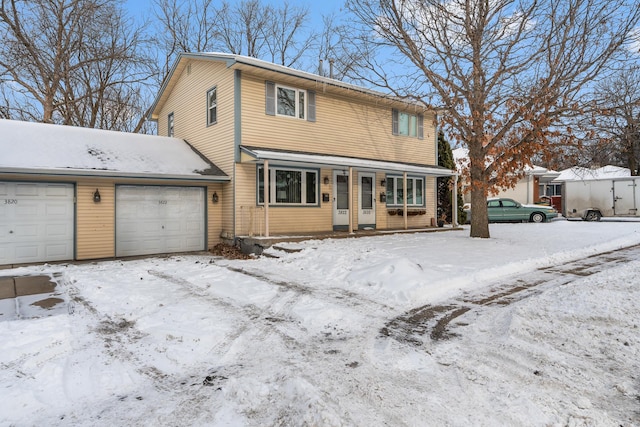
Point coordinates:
[(267, 184), (454, 214), (350, 199), (404, 200)]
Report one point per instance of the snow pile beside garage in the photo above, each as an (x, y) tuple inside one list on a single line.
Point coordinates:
[(28, 146)]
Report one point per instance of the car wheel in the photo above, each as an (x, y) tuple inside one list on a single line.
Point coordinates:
[(593, 216), (537, 217)]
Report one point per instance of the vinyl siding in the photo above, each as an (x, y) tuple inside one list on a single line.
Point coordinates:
[(282, 219), (95, 230), (188, 102), (342, 127)]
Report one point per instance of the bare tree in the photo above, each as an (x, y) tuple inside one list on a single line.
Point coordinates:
[(284, 36), (241, 28), (618, 121), (184, 27), (505, 72), (62, 61), (280, 34)]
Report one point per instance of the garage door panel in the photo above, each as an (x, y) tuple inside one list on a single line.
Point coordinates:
[(55, 250), (57, 230), (24, 253), (26, 189), (162, 219), (36, 222)]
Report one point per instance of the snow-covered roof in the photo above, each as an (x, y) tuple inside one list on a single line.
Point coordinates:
[(461, 159), (37, 148), (578, 173), (242, 62), (258, 154)]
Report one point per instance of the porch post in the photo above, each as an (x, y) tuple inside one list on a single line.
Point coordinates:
[(454, 214), (404, 200), (351, 199), (267, 184)]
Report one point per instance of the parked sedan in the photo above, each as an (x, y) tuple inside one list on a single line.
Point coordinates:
[(508, 210)]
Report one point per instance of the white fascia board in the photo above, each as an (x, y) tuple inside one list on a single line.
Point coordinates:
[(333, 161), (111, 174)]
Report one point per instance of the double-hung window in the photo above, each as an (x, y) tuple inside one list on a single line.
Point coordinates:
[(290, 102), (212, 106), (396, 193), (289, 186), (407, 124)]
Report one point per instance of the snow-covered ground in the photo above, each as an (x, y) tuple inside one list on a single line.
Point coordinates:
[(296, 340)]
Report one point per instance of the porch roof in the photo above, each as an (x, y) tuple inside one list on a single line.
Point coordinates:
[(257, 155)]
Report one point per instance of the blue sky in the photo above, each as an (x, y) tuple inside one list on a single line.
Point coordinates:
[(141, 8)]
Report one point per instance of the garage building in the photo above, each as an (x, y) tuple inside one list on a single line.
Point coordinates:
[(69, 193)]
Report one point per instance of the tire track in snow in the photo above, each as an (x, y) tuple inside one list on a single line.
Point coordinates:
[(437, 321)]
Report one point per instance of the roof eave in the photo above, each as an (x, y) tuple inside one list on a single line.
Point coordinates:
[(112, 174)]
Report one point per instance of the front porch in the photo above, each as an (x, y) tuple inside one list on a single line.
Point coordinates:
[(258, 244)]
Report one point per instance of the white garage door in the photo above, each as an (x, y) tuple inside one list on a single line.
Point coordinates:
[(36, 222), (156, 220)]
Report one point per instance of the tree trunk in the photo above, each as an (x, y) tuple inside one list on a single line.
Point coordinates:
[(479, 215)]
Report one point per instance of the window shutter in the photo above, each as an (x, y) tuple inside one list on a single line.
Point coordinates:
[(270, 98), (394, 121), (311, 106), (420, 126)]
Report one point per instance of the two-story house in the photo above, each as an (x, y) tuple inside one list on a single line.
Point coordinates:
[(324, 155), (234, 132)]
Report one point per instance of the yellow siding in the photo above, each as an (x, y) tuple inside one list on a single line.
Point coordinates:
[(282, 220), (214, 215), (352, 127), (189, 105), (95, 229), (342, 127)]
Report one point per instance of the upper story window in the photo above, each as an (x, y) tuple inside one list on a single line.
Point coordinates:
[(290, 102), (406, 124), (170, 125), (289, 186), (396, 193), (212, 106)]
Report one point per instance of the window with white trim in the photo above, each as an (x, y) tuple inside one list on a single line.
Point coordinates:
[(406, 124), (170, 124), (289, 186), (395, 191), (290, 102), (212, 106)]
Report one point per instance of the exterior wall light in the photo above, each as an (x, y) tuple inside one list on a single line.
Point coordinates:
[(383, 182), (214, 197), (96, 196), (326, 180)]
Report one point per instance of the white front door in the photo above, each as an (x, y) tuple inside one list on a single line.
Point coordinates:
[(367, 200), (36, 222), (340, 200), (158, 219)]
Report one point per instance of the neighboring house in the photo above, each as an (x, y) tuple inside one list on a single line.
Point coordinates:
[(71, 193), (335, 156), (531, 188)]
